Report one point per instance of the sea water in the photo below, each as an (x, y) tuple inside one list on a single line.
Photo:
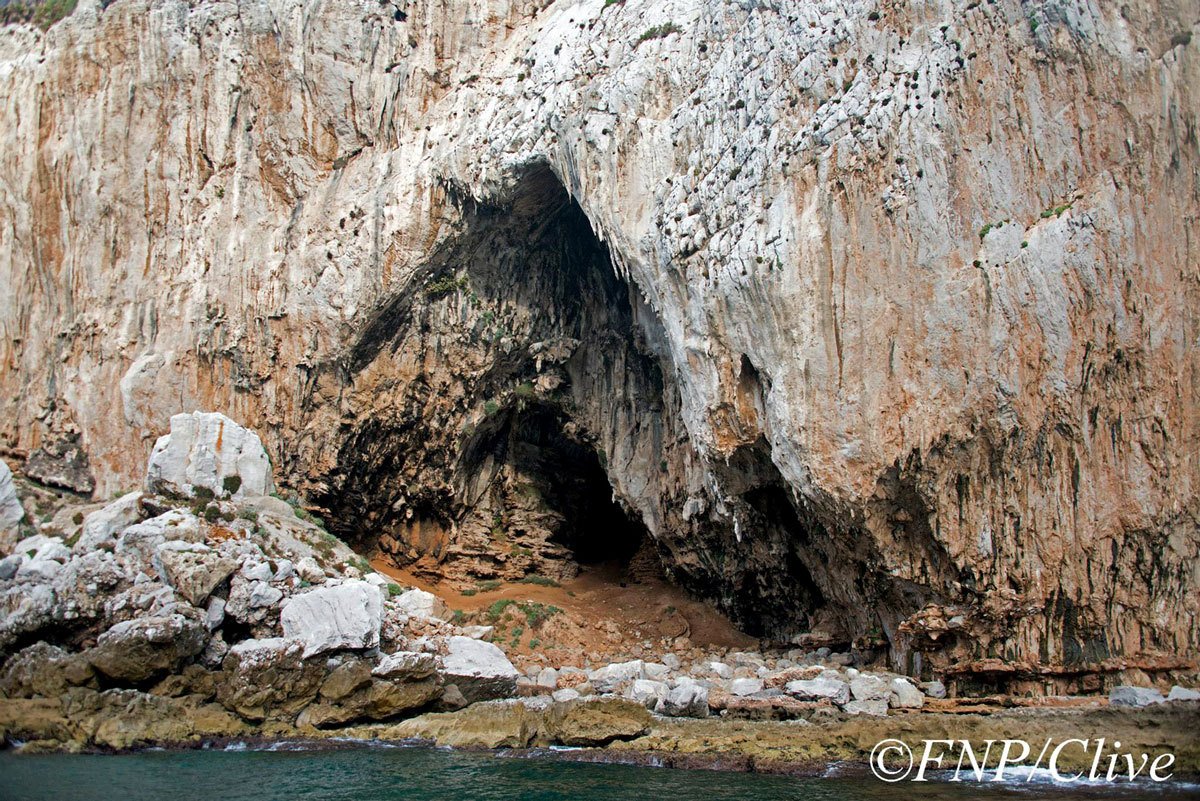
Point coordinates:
[(296, 772)]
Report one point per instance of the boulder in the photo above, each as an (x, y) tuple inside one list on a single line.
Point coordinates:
[(135, 650), (905, 695), (347, 615), (194, 570), (207, 450), (875, 707), (478, 669), (103, 525), (138, 544), (1126, 695), (1183, 694), (646, 692), (421, 605), (822, 687), (9, 565), (565, 694), (45, 670), (721, 670), (688, 698), (934, 689), (405, 666), (490, 724), (869, 688), (593, 722), (746, 686), (11, 510), (351, 693), (610, 677), (269, 678), (547, 678)]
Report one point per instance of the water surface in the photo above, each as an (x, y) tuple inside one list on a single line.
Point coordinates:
[(423, 774)]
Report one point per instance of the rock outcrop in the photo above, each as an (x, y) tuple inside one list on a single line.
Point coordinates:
[(208, 451), (11, 511), (878, 322)]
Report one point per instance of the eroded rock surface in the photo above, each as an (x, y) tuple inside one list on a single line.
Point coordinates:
[(879, 324)]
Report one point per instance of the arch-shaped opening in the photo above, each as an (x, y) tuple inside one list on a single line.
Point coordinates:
[(516, 366)]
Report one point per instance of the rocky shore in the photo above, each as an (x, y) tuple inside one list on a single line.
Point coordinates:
[(201, 608)]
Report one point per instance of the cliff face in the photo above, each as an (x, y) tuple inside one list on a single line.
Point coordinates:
[(881, 319)]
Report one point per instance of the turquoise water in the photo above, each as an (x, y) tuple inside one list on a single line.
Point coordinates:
[(421, 774)]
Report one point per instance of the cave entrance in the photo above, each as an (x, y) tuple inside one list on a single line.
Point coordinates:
[(524, 412), (574, 485), (549, 494)]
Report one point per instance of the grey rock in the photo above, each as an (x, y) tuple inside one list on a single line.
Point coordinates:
[(1183, 694), (11, 510), (874, 707), (647, 692), (745, 687), (421, 605), (135, 650), (905, 695), (1127, 695), (610, 677), (103, 525), (835, 690), (406, 665)]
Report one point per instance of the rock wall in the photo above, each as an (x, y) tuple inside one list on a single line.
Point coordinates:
[(898, 342)]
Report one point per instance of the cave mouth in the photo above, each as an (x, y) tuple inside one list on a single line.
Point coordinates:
[(510, 403), (554, 479)]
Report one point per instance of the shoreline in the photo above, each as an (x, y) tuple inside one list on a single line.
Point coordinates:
[(611, 730)]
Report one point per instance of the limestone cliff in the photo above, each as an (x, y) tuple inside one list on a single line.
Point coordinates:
[(880, 317)]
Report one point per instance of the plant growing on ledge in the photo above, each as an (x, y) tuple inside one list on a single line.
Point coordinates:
[(659, 32), (445, 285)]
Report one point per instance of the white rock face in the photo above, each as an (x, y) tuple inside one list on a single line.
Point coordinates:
[(422, 605), (329, 618), (207, 449), (479, 669), (11, 511)]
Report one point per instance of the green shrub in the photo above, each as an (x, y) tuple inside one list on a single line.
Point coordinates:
[(203, 494), (212, 513), (394, 589), (659, 32), (489, 585), (467, 593), (445, 285), (231, 484), (43, 13), (497, 609)]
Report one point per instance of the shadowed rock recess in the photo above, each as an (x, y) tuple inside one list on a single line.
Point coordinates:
[(873, 324)]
